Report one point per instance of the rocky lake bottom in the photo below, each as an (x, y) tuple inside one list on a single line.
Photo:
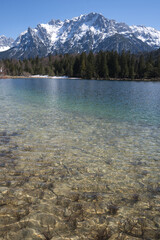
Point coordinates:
[(66, 175)]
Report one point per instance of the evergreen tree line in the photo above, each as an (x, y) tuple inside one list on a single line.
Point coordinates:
[(102, 65)]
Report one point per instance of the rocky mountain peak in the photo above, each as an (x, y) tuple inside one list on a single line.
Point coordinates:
[(84, 33)]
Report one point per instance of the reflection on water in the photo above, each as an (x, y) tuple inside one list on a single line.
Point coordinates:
[(79, 158)]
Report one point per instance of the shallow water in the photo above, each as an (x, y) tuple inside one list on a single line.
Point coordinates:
[(97, 139)]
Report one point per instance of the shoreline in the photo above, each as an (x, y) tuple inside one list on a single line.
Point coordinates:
[(66, 77)]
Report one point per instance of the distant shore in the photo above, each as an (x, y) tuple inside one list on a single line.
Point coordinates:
[(65, 77)]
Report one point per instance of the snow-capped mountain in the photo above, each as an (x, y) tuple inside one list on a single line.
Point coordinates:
[(5, 43), (84, 33)]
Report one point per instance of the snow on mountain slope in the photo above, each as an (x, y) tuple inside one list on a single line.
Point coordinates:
[(51, 29), (4, 48), (147, 34), (5, 43)]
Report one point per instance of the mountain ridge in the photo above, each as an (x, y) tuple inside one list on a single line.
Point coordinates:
[(83, 33)]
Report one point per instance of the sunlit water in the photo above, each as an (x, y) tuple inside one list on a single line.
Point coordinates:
[(104, 134)]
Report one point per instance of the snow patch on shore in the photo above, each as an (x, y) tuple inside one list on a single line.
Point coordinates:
[(46, 76)]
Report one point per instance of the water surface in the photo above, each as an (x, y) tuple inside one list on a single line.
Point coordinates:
[(83, 136)]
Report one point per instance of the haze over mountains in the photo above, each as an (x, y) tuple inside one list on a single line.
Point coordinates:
[(84, 33)]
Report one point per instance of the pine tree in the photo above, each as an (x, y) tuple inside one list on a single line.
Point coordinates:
[(90, 73), (83, 60), (132, 67), (124, 65), (104, 66), (157, 67), (141, 67), (114, 67), (76, 67)]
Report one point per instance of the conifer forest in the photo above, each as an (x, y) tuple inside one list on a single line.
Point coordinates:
[(102, 65)]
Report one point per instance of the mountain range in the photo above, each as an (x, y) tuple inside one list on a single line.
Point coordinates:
[(90, 32)]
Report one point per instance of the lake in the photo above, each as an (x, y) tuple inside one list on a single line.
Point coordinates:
[(79, 159)]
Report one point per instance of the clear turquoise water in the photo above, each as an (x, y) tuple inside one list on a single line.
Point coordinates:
[(83, 136), (129, 109), (133, 102), (91, 114)]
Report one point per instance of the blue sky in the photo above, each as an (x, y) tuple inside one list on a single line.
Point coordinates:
[(17, 15)]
